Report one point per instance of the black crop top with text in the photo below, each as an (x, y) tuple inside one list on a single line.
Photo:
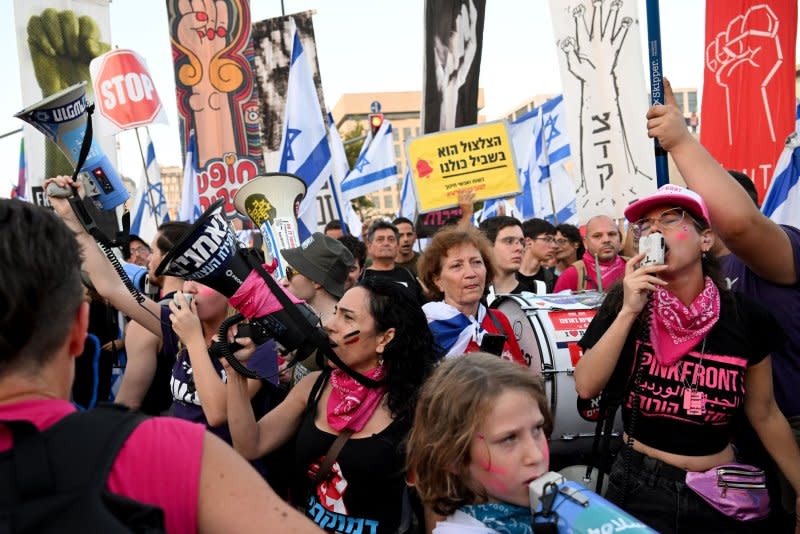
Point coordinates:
[(743, 336)]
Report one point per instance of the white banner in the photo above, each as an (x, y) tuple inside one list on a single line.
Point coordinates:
[(52, 57), (605, 96)]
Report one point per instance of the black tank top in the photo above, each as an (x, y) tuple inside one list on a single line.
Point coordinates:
[(158, 398), (364, 490)]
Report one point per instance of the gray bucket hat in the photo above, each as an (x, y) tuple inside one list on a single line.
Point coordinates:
[(323, 260)]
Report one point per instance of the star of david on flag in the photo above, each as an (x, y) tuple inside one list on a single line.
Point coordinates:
[(149, 204), (304, 148), (376, 167)]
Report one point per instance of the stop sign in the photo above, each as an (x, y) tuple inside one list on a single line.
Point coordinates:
[(124, 91)]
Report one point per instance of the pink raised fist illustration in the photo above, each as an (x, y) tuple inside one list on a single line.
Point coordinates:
[(748, 51)]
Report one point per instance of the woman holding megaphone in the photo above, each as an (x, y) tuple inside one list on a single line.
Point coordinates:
[(185, 326), (349, 424)]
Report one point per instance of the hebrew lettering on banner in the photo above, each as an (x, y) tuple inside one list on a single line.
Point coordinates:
[(606, 101), (213, 56), (749, 84)]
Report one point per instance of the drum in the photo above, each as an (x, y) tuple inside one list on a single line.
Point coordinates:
[(548, 328)]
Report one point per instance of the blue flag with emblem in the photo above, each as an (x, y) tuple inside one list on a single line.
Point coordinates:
[(149, 208), (189, 209), (375, 168), (304, 149), (782, 202)]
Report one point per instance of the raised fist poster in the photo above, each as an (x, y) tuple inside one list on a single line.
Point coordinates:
[(749, 84), (605, 97), (213, 56), (56, 41)]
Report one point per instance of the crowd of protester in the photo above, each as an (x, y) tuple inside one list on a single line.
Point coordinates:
[(429, 419)]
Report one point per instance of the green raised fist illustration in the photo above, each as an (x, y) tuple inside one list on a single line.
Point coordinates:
[(62, 45)]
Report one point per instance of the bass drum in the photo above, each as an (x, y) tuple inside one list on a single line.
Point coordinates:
[(548, 328)]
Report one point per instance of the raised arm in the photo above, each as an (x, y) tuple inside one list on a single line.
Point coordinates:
[(253, 440), (141, 349), (104, 278), (210, 388), (595, 368), (760, 243), (233, 497)]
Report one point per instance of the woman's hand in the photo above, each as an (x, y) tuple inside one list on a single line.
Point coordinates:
[(185, 321), (54, 187), (248, 345), (638, 283), (666, 122)]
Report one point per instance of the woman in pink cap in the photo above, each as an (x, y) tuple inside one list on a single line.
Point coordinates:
[(685, 357)]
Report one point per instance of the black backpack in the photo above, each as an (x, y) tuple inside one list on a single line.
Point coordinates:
[(55, 480)]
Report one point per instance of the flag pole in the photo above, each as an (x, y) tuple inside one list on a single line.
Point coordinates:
[(546, 151), (334, 179), (656, 84), (146, 176)]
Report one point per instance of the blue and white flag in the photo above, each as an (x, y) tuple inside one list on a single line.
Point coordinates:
[(304, 149), (408, 198), (189, 209), (344, 209), (782, 202), (452, 330), (376, 167), (541, 148), (149, 208)]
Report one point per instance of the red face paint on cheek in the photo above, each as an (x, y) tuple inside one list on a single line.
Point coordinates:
[(546, 453), (351, 337), (683, 234)]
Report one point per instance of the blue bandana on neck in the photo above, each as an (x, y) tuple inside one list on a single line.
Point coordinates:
[(504, 518)]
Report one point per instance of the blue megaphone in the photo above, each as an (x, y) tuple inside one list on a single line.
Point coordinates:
[(574, 509), (63, 118)]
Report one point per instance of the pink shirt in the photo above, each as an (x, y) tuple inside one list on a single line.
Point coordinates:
[(158, 465)]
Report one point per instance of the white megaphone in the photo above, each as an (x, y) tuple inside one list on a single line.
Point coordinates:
[(63, 118), (272, 202)]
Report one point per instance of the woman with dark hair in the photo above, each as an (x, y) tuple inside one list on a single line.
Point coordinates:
[(456, 269), (145, 384), (380, 334), (685, 356)]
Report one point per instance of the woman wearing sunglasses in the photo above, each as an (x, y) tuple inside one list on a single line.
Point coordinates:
[(685, 357)]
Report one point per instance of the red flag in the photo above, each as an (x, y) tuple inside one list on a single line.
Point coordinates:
[(749, 84)]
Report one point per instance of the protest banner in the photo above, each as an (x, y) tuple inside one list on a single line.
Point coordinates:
[(475, 158)]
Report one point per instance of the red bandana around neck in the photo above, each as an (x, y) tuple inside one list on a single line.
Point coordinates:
[(675, 328), (351, 404)]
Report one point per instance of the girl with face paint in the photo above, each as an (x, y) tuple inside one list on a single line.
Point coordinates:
[(686, 357), (479, 438)]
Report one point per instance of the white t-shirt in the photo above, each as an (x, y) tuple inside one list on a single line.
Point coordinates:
[(461, 522)]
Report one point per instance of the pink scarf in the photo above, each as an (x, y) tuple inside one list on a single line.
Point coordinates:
[(609, 272), (675, 329), (351, 404)]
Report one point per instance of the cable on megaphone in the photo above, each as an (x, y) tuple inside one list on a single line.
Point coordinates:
[(209, 253)]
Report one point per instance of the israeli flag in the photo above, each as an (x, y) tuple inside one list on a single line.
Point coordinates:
[(541, 147), (190, 195), (408, 198), (304, 148), (782, 203), (344, 209), (149, 205), (376, 167)]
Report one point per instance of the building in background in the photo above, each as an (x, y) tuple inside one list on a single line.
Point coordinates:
[(402, 109), (172, 183)]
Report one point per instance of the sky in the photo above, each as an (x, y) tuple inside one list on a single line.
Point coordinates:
[(363, 46)]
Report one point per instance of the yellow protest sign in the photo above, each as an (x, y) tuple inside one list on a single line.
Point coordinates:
[(477, 158)]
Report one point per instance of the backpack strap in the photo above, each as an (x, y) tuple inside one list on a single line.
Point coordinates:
[(78, 451)]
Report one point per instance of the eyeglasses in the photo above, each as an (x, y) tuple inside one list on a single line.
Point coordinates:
[(140, 251), (511, 241), (561, 241), (666, 219), (546, 238), (290, 272)]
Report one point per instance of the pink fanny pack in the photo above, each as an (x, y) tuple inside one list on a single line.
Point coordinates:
[(736, 490)]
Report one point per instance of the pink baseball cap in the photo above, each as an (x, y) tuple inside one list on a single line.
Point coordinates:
[(669, 195)]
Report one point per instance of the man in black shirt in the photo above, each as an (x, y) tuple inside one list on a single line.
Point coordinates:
[(382, 245), (539, 248)]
